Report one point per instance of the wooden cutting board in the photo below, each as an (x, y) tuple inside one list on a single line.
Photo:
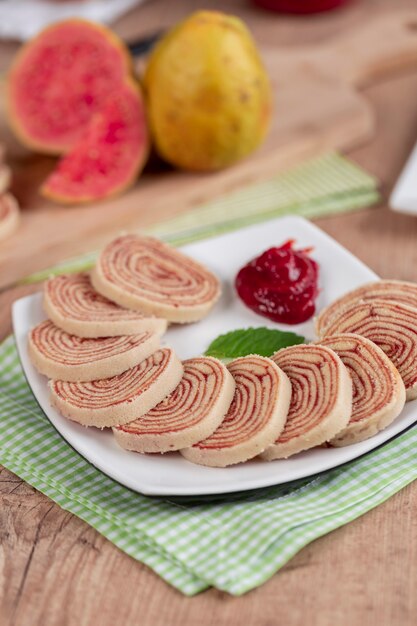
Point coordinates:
[(318, 106)]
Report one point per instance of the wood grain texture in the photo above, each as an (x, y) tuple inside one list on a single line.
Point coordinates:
[(55, 570), (317, 107)]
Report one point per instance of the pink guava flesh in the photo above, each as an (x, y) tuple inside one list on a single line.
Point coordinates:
[(61, 80), (109, 156)]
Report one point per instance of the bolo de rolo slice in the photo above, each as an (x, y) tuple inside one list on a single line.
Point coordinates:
[(192, 412), (256, 416), (378, 390), (65, 357), (144, 274), (72, 303), (321, 399), (119, 399)]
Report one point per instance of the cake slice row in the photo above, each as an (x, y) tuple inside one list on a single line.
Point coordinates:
[(384, 312), (138, 284), (342, 391)]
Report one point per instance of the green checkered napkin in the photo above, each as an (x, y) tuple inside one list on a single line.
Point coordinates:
[(233, 542)]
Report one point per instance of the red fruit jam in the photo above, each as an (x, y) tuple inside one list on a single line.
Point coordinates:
[(300, 6), (281, 284)]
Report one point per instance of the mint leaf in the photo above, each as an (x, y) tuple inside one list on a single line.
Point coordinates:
[(244, 341)]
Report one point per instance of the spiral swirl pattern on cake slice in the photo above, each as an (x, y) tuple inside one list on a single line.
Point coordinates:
[(72, 303), (256, 416), (147, 275), (378, 390), (119, 399), (392, 326), (9, 215), (321, 399), (62, 356), (396, 290), (189, 414)]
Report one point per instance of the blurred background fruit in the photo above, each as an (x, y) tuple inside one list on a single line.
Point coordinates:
[(109, 156), (60, 79), (208, 94), (71, 91), (300, 6)]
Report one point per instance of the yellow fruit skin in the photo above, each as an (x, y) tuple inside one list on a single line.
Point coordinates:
[(209, 96)]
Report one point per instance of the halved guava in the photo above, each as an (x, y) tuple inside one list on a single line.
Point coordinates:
[(60, 79), (111, 154)]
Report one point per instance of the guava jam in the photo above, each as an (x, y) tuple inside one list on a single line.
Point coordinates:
[(300, 6), (281, 284)]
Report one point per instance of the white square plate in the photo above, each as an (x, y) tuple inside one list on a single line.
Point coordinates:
[(171, 474)]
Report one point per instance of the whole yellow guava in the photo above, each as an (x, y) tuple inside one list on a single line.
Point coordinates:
[(208, 94)]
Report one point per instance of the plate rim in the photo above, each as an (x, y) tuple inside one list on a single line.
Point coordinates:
[(213, 489)]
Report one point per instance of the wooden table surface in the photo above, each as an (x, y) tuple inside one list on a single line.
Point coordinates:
[(56, 570)]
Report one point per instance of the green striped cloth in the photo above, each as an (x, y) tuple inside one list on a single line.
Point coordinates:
[(233, 542), (326, 185)]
